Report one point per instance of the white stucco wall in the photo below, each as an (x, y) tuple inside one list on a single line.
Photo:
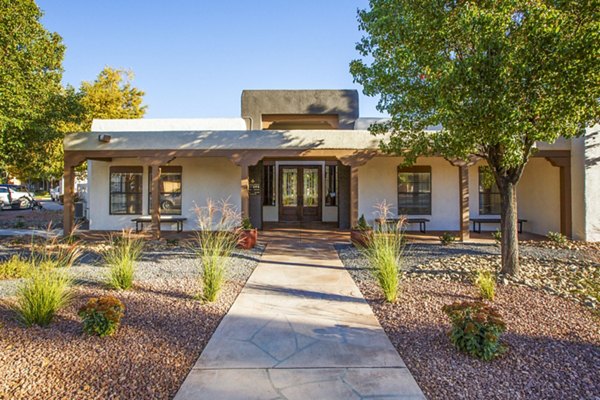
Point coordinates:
[(592, 184), (538, 197), (377, 181), (578, 188), (202, 178)]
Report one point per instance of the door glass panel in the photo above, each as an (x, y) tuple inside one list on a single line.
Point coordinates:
[(311, 187), (289, 187)]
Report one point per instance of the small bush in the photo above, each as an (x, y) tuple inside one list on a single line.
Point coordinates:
[(486, 283), (362, 224), (557, 238), (121, 258), (246, 224), (46, 290), (497, 236), (476, 329), (102, 316), (217, 237), (14, 267), (447, 238), (384, 252)]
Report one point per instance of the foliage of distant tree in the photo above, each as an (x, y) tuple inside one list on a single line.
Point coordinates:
[(36, 111), (110, 96), (497, 75), (30, 84)]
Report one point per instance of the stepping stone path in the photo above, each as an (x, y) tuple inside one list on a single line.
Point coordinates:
[(300, 329)]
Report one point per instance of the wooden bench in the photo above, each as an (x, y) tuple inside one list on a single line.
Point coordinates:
[(140, 221), (478, 221), (421, 221)]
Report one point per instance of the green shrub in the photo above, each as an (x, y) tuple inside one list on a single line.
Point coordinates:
[(102, 316), (246, 224), (384, 252), (447, 238), (557, 238), (362, 224), (46, 290), (497, 235), (120, 258), (14, 267), (476, 329), (217, 237), (486, 283)]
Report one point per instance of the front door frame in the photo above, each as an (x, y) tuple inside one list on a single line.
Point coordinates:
[(300, 188)]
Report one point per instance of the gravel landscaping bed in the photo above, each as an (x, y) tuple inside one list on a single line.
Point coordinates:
[(162, 334), (553, 341)]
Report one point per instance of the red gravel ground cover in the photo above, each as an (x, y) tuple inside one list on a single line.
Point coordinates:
[(554, 343), (162, 334)]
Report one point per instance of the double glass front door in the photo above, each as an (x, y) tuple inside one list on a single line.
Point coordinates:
[(300, 193)]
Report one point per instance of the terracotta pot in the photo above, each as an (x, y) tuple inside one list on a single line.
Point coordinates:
[(360, 237), (248, 238)]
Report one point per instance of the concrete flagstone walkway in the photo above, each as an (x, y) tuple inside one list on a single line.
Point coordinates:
[(300, 329)]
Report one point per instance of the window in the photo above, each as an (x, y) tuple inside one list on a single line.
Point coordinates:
[(489, 194), (125, 190), (331, 184), (170, 190), (414, 190), (269, 185)]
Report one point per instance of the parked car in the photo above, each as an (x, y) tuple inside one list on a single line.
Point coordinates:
[(15, 196), (55, 193)]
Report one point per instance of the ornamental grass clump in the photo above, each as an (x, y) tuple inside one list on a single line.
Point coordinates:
[(46, 289), (557, 238), (13, 268), (384, 253), (120, 257), (47, 284), (476, 329), (216, 239), (486, 283), (102, 315)]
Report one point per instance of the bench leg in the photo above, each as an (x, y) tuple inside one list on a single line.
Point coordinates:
[(521, 227), (422, 227)]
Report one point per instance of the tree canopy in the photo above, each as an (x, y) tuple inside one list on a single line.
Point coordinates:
[(30, 82), (497, 76), (110, 96)]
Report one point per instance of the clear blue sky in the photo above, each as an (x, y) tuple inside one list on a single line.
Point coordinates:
[(194, 58)]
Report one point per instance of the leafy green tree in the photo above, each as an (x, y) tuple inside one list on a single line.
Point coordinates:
[(30, 82), (110, 96), (497, 75)]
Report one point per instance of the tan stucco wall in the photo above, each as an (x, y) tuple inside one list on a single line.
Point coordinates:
[(202, 178), (377, 181)]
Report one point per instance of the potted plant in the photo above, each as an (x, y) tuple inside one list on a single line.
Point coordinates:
[(248, 235), (361, 233)]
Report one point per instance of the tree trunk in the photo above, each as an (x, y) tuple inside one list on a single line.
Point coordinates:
[(508, 227)]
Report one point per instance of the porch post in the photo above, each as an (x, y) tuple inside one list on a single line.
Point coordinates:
[(155, 211), (353, 195), (463, 178), (68, 206), (244, 191)]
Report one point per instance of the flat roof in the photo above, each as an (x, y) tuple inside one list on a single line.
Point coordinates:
[(224, 140)]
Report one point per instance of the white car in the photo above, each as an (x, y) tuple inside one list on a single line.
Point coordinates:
[(15, 196), (55, 193)]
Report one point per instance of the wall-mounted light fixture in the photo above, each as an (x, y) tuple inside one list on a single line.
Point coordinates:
[(104, 138)]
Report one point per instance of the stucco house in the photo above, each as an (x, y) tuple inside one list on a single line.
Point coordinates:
[(306, 155)]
